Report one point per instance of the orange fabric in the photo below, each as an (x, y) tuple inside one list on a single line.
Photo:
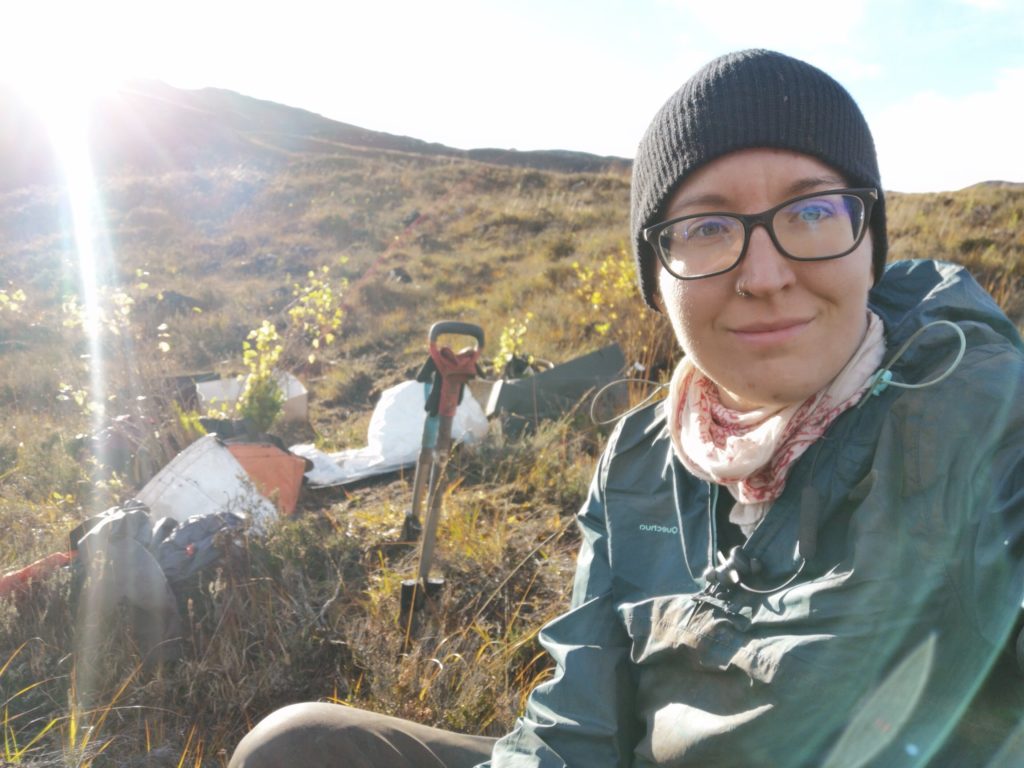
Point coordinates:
[(276, 474), (44, 566)]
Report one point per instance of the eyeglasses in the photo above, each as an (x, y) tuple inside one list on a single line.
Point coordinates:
[(814, 227)]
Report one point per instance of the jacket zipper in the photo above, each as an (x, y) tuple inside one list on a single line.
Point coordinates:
[(713, 491)]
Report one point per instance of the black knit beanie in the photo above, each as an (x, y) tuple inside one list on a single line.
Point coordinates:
[(742, 100)]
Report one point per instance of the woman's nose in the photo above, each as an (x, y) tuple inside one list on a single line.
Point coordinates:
[(763, 269)]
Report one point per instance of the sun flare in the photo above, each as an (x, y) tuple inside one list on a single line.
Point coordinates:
[(62, 99)]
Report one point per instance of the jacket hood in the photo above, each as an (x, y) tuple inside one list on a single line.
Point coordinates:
[(913, 294)]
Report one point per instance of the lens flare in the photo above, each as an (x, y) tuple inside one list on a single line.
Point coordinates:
[(64, 105)]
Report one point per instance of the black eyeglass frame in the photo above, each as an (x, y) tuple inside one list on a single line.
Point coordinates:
[(867, 195)]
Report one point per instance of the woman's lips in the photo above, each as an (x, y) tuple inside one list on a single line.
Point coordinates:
[(768, 333)]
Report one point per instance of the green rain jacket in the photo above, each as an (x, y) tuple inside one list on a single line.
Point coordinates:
[(889, 573)]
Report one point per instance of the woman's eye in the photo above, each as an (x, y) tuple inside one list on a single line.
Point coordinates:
[(812, 211), (704, 228), (813, 214)]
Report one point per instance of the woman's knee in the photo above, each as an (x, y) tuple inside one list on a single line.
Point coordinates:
[(299, 734), (315, 734)]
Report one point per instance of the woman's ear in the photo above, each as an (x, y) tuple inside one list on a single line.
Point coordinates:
[(658, 301), (656, 297)]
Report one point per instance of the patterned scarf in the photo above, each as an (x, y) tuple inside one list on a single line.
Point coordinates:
[(751, 452)]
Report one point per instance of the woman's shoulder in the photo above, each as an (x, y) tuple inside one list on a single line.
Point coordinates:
[(944, 332), (957, 364), (638, 445), (917, 293), (640, 426)]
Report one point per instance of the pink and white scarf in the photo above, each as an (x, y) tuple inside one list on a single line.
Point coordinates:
[(751, 452)]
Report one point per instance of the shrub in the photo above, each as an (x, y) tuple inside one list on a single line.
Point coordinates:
[(261, 399)]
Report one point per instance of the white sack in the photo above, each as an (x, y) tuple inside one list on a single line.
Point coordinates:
[(394, 437)]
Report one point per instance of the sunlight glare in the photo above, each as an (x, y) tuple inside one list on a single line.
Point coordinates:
[(63, 100)]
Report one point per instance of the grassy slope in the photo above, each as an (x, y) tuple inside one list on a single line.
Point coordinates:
[(310, 612)]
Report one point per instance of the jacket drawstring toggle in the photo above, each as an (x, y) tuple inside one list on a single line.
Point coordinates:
[(882, 378)]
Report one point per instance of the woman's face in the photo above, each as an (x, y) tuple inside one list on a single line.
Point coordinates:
[(801, 322)]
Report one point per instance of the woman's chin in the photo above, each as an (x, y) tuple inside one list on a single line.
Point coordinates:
[(769, 394)]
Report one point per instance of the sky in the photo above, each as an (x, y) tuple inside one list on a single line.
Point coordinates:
[(941, 82)]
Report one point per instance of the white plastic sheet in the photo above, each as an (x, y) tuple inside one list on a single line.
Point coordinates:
[(394, 437)]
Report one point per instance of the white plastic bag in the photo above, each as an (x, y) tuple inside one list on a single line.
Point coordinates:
[(394, 437)]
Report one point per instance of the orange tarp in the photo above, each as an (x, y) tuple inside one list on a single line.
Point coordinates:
[(276, 474)]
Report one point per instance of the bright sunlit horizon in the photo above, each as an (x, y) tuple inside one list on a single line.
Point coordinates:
[(939, 82)]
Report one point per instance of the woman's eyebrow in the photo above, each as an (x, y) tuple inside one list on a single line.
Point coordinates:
[(813, 183), (708, 200), (716, 201)]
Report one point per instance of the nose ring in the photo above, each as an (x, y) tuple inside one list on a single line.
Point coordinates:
[(742, 292)]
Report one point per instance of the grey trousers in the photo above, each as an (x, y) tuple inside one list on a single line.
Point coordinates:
[(318, 734)]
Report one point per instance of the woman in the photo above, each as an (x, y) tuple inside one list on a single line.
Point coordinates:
[(810, 552)]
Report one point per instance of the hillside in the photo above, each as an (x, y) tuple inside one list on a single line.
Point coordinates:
[(215, 212), (149, 127)]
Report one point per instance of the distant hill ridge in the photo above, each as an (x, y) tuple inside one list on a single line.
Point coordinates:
[(1000, 184), (148, 127)]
